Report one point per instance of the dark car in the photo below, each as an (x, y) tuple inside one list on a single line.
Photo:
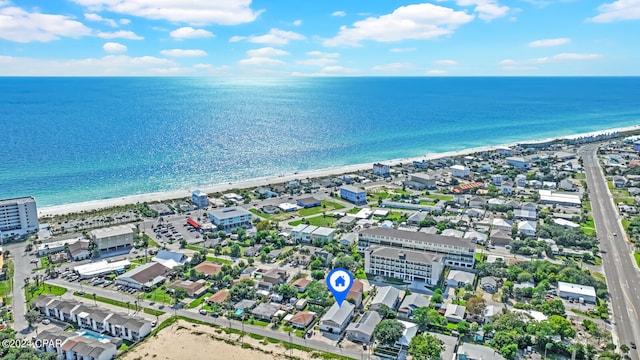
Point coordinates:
[(633, 345)]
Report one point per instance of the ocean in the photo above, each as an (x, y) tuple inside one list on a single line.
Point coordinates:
[(67, 140)]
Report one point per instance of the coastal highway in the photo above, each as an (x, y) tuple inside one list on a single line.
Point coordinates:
[(623, 277)]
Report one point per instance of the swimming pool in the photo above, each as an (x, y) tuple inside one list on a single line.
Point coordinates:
[(93, 335)]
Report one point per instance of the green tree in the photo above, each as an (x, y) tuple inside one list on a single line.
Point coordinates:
[(344, 261), (235, 250), (317, 291), (388, 331), (317, 274), (553, 307), (476, 305), (243, 290), (509, 351), (426, 347), (31, 316), (287, 291), (386, 312)]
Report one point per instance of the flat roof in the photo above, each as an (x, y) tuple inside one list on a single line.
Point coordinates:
[(419, 237), (576, 289), (230, 212), (20, 200), (352, 188), (56, 244), (422, 257), (113, 231), (101, 267)]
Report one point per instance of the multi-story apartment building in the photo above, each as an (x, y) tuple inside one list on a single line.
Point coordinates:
[(200, 199), (113, 238), (455, 252), (18, 217), (403, 264), (230, 218), (353, 194)]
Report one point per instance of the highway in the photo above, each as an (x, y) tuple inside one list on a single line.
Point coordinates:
[(623, 277)]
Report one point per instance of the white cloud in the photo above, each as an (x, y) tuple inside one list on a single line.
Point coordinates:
[(317, 61), (125, 21), (323, 54), (111, 65), (549, 42), (411, 22), (618, 11), (188, 32), (21, 26), (436, 72), (121, 34), (508, 62), (393, 67), (183, 53), (337, 70), (401, 50), (566, 57), (339, 13), (261, 61), (114, 47), (487, 9), (266, 52), (274, 37), (96, 17), (445, 62), (227, 12), (297, 22)]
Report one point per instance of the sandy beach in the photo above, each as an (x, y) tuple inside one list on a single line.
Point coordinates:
[(276, 179), (184, 340)]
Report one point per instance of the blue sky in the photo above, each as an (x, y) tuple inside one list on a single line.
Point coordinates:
[(319, 37)]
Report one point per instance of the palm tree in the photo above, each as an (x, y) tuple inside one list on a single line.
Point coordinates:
[(94, 299)]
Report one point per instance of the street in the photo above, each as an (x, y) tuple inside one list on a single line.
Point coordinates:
[(621, 272), (21, 270)]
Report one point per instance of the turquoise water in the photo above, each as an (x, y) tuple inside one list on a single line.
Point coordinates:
[(92, 335), (76, 139)]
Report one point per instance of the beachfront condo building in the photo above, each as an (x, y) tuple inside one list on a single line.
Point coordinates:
[(200, 199), (382, 170), (353, 194), (18, 217), (407, 265), (113, 238), (230, 218), (455, 252)]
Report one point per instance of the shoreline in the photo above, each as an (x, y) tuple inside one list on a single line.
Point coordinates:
[(276, 179)]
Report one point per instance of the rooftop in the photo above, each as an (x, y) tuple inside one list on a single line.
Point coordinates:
[(418, 237), (113, 231)]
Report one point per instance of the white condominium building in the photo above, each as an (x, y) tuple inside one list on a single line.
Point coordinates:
[(112, 238), (18, 216), (403, 264), (456, 252)]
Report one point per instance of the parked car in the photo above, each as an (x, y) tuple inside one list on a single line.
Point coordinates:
[(46, 321), (203, 312)]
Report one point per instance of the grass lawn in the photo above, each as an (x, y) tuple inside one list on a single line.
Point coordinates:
[(5, 288), (636, 255), (193, 247), (586, 205), (219, 260), (355, 210), (33, 292), (295, 223), (580, 176), (394, 216), (439, 197), (625, 224), (44, 262), (196, 302), (119, 303), (160, 294), (261, 214), (258, 323), (326, 221), (281, 216)]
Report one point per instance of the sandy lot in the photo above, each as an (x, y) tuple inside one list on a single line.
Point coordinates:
[(184, 340)]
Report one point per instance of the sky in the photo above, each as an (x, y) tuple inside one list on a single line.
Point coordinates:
[(319, 38)]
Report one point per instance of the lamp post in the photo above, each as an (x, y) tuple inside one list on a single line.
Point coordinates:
[(290, 346), (546, 347)]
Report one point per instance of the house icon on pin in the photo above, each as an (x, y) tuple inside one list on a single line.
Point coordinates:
[(340, 281)]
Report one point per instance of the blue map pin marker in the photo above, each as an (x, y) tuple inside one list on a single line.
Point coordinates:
[(339, 281)]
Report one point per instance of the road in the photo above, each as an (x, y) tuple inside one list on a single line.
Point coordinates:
[(21, 270), (223, 322), (623, 278)]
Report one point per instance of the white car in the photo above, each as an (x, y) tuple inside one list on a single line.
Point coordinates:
[(46, 322)]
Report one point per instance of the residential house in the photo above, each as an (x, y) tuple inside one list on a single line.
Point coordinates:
[(506, 188), (356, 293), (619, 181), (469, 351), (521, 181), (336, 319), (420, 181), (275, 276), (200, 199), (411, 303), (504, 151), (252, 250), (230, 218), (270, 209), (265, 311), (410, 331), (489, 284), (301, 319), (301, 284), (265, 193), (144, 276), (455, 313), (244, 304), (459, 171), (382, 170), (385, 295), (308, 202), (500, 237), (415, 218), (348, 239), (527, 227), (475, 213), (353, 194), (346, 222), (502, 224), (453, 233), (209, 268), (193, 288), (497, 179), (476, 237), (307, 234), (219, 297), (477, 202), (567, 185), (362, 331), (459, 278), (518, 162), (79, 250)]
